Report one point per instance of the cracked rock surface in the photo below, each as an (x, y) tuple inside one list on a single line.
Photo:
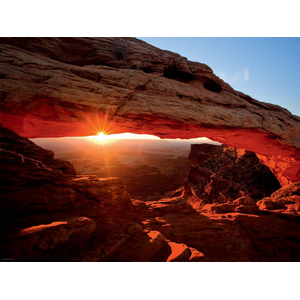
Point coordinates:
[(77, 86)]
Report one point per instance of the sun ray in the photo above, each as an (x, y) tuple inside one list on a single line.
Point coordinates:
[(101, 136)]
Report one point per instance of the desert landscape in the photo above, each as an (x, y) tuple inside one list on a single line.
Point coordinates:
[(222, 184), (149, 168)]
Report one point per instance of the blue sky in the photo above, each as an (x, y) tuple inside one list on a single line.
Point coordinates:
[(267, 69)]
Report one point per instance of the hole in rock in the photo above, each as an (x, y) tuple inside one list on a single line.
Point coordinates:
[(213, 87), (172, 72), (150, 167), (210, 84), (153, 168)]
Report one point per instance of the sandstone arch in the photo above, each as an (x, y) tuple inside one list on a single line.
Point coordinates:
[(54, 87)]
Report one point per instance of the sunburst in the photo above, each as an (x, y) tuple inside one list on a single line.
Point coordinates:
[(102, 136)]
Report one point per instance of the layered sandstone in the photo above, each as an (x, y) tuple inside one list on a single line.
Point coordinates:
[(51, 215), (79, 86), (222, 174), (286, 200), (48, 212)]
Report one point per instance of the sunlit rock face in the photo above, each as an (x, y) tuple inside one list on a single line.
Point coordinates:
[(54, 87), (33, 182), (48, 212), (222, 174)]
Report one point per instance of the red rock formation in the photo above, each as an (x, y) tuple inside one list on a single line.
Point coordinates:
[(223, 174), (55, 241), (286, 200), (227, 236), (54, 87), (49, 215), (77, 86), (32, 183), (47, 211)]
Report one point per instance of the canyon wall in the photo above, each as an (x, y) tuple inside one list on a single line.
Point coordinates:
[(222, 174), (53, 87)]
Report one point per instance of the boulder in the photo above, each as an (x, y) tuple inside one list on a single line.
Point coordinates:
[(286, 200), (57, 241), (223, 173), (180, 252), (244, 205), (144, 247), (197, 256)]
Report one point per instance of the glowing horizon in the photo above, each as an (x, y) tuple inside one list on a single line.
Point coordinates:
[(103, 137)]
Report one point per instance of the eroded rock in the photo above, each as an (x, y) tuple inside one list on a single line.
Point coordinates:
[(242, 205), (77, 86), (54, 87), (223, 174), (49, 215), (55, 241), (286, 199)]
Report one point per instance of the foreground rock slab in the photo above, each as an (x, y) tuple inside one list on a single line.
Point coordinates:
[(54, 241), (286, 200)]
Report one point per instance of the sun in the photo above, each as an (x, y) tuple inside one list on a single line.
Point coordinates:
[(102, 137)]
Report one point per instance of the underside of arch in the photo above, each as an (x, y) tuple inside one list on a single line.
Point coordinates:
[(52, 87)]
